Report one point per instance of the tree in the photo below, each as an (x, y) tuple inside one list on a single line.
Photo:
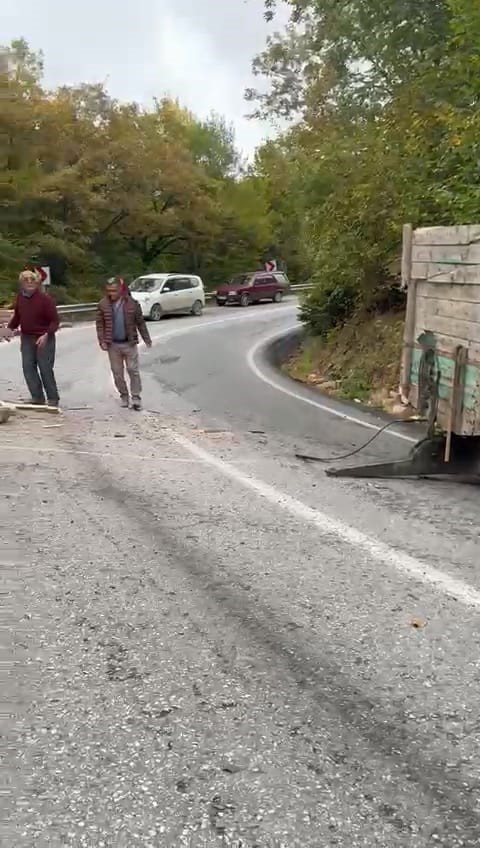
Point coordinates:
[(278, 171), (383, 97), (211, 142), (91, 186), (350, 52)]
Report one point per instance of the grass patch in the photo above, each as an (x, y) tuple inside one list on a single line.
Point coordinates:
[(359, 361)]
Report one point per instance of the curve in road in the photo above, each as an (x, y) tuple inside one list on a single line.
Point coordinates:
[(258, 359), (221, 645)]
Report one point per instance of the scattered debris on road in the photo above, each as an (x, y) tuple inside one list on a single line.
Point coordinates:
[(21, 406), (418, 623)]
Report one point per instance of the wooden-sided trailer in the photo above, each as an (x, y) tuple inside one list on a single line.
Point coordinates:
[(440, 367)]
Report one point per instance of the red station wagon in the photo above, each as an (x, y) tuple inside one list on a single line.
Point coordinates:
[(253, 288)]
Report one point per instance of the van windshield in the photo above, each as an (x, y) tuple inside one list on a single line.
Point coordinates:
[(144, 284)]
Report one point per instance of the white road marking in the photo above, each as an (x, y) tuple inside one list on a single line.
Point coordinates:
[(179, 331), (328, 526), (251, 355)]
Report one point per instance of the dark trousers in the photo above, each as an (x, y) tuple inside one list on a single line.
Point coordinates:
[(38, 371)]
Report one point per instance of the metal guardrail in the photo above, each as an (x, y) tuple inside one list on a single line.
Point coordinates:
[(85, 308), (76, 308)]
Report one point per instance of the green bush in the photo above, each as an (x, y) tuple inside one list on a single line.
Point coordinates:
[(324, 309)]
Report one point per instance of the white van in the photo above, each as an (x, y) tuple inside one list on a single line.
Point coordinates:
[(163, 294)]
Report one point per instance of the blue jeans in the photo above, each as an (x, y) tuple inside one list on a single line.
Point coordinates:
[(38, 364)]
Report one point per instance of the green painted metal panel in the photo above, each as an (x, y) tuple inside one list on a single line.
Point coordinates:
[(446, 365)]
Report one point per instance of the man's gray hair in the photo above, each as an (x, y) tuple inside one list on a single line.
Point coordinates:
[(29, 275)]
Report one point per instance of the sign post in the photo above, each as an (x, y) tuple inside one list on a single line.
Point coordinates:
[(44, 272)]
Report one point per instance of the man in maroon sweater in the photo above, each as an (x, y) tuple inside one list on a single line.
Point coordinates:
[(36, 315)]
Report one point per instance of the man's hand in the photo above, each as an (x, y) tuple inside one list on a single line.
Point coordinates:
[(42, 341), (6, 334), (148, 344), (104, 346)]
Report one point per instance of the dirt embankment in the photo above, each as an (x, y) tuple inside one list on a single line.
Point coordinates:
[(359, 361)]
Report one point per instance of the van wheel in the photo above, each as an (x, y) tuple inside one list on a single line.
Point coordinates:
[(277, 297), (245, 299), (156, 312), (197, 308)]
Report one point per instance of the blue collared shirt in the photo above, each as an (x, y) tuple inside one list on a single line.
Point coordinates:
[(119, 328)]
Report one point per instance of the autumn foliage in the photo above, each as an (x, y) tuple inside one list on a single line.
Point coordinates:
[(93, 187)]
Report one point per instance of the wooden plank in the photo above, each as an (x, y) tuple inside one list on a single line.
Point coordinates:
[(446, 344), (463, 234), (468, 293), (463, 332), (457, 309), (407, 243), (30, 407), (455, 274), (468, 423), (444, 308), (450, 331), (457, 399), (409, 329), (446, 253), (436, 272), (424, 318)]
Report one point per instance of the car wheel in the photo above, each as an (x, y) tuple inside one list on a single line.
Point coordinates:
[(278, 297), (245, 300), (197, 308), (156, 312), (220, 303)]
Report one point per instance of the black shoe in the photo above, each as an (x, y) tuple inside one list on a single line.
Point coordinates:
[(136, 406)]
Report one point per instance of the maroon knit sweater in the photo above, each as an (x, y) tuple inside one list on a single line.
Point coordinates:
[(35, 315)]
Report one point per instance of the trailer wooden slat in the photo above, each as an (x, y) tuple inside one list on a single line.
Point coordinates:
[(444, 283)]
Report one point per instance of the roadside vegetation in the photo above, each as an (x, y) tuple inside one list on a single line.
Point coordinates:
[(357, 360), (384, 99)]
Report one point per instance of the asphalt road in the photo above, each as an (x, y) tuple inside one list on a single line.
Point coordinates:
[(209, 643)]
